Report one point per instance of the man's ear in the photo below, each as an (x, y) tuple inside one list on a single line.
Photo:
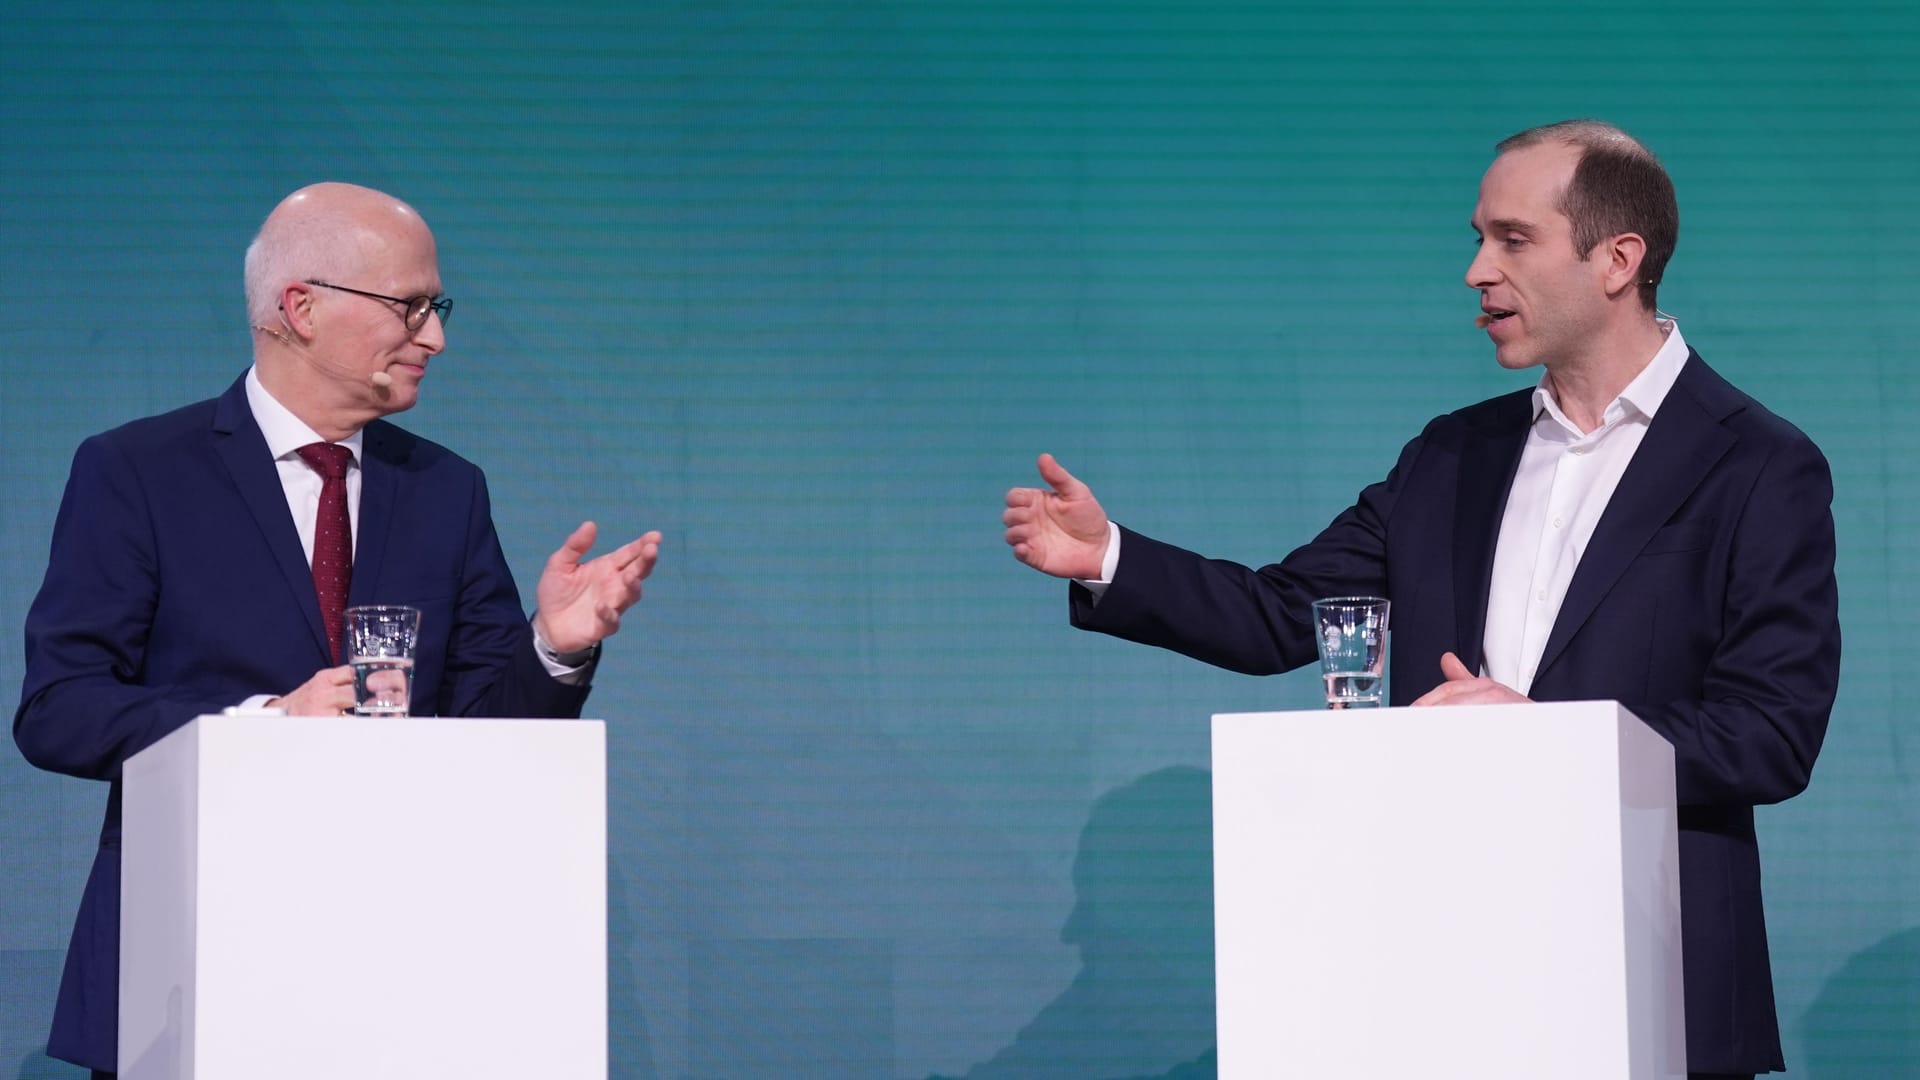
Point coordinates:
[(296, 307), (1624, 254)]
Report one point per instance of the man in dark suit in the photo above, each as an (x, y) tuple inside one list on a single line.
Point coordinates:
[(1633, 528), (185, 574)]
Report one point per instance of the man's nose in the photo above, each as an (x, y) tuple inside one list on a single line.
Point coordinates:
[(432, 334), (1481, 272)]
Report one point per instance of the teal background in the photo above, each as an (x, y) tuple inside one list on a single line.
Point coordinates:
[(809, 285)]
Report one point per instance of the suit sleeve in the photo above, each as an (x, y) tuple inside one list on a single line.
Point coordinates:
[(492, 667), (84, 707), (1258, 622), (1751, 734)]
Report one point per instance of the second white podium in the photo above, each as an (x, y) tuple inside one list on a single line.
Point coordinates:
[(1487, 892), (366, 897)]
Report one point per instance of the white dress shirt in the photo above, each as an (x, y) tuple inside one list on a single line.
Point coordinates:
[(1563, 485), (286, 434)]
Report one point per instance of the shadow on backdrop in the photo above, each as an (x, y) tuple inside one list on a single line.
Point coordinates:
[(1865, 1025), (629, 1042), (1142, 1004), (38, 1066), (29, 978)]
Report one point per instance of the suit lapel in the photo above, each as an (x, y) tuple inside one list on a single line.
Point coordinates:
[(1487, 464), (1681, 446), (383, 449), (243, 450)]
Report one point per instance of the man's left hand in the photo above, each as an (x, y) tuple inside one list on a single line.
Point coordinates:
[(1463, 687), (581, 602)]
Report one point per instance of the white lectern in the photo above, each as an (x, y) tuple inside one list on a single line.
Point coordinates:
[(1480, 891), (365, 897)]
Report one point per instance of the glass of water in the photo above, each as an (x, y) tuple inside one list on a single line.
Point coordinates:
[(380, 643), (1353, 649)]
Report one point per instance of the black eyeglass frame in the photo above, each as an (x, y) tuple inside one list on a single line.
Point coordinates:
[(416, 307)]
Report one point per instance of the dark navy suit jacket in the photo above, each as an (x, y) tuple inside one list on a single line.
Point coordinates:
[(1705, 603), (177, 586)]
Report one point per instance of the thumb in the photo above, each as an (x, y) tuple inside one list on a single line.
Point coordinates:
[(575, 546), (1452, 669), (1060, 480)]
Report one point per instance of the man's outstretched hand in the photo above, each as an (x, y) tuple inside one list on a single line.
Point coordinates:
[(1059, 529), (581, 602)]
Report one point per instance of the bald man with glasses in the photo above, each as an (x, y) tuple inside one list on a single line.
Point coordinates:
[(201, 558)]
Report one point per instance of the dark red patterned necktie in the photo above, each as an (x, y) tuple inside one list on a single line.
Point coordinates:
[(332, 537)]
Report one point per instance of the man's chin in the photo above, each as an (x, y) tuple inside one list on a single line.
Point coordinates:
[(1514, 358), (399, 397), (400, 388)]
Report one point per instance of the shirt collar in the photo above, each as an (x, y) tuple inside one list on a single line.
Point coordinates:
[(285, 432), (1642, 396)]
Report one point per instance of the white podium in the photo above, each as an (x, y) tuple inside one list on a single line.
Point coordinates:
[(366, 897), (1482, 891)]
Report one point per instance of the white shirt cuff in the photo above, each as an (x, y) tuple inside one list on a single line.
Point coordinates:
[(561, 667), (1108, 564)]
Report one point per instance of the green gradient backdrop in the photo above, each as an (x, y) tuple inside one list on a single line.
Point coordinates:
[(808, 285)]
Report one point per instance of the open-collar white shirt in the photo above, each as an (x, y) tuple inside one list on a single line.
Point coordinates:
[(1563, 484)]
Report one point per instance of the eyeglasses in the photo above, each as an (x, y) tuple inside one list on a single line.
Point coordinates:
[(417, 307)]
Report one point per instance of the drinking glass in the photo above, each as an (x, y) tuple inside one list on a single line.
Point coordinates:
[(380, 640), (1353, 649)]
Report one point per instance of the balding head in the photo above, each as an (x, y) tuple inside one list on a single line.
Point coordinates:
[(1618, 187), (324, 232), (329, 280)]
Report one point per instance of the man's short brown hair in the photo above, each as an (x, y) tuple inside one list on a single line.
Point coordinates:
[(1618, 186)]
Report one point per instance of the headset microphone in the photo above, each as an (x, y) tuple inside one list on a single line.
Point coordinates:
[(1483, 321), (380, 380)]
